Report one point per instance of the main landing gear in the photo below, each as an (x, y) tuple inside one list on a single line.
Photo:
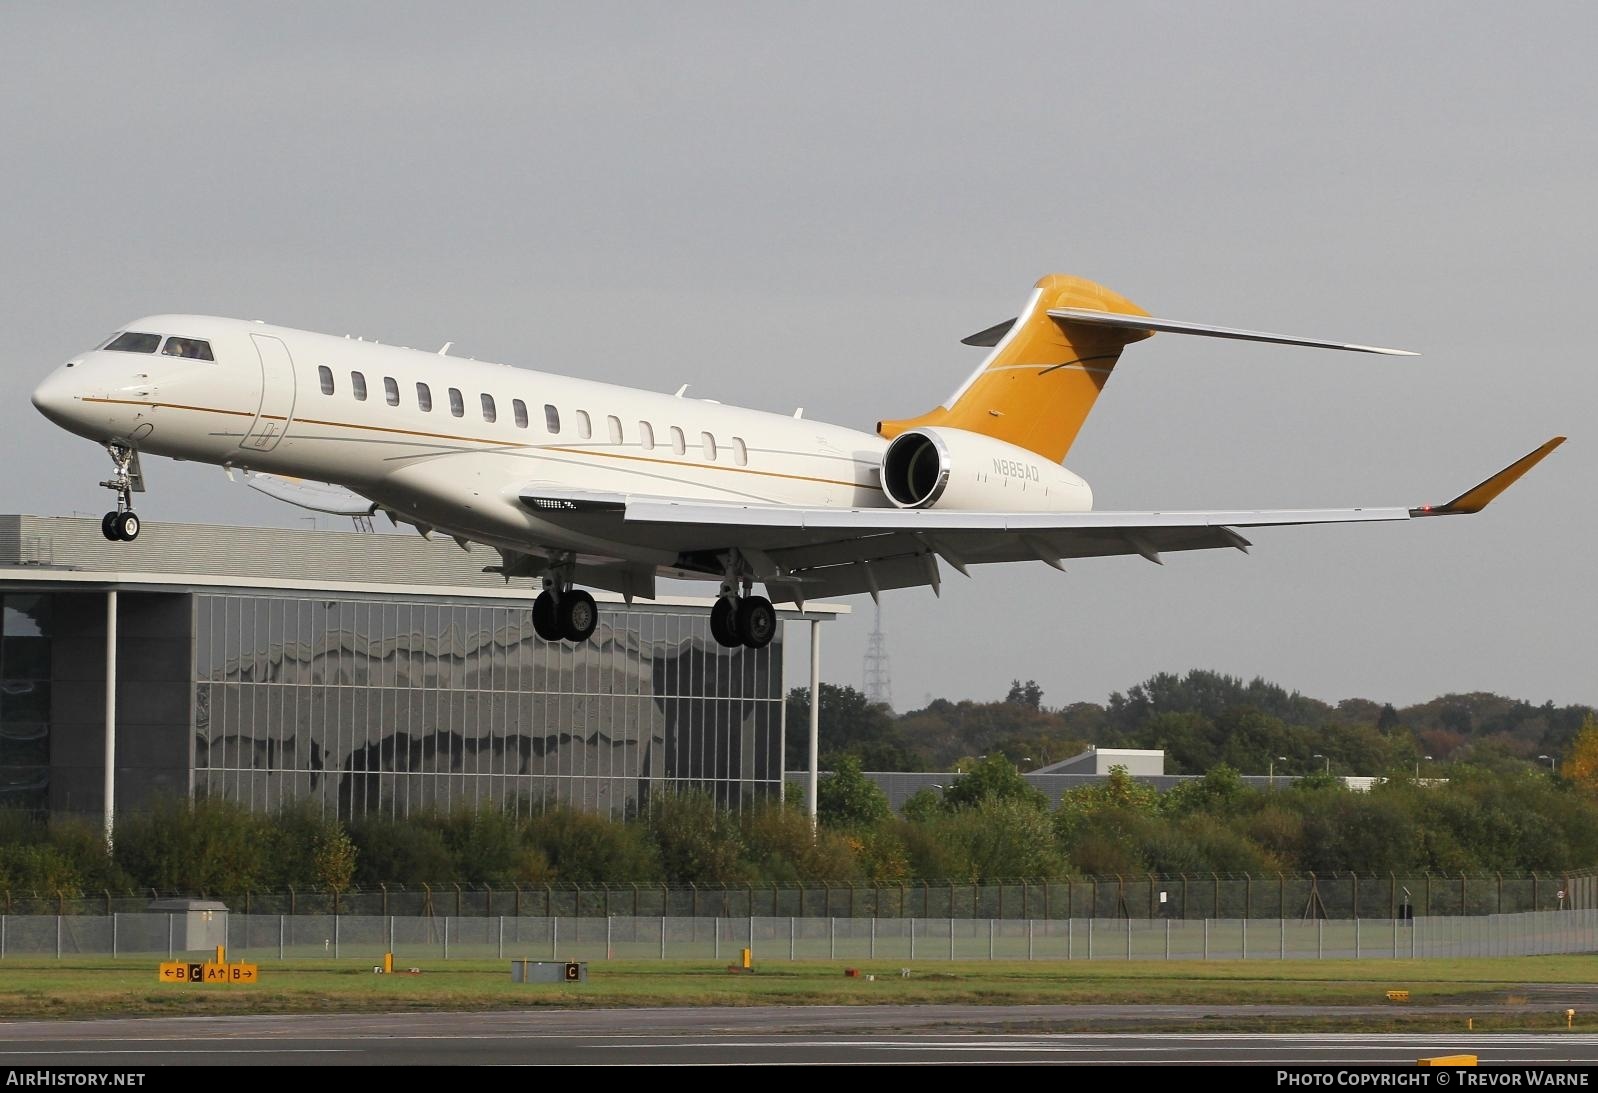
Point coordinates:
[(563, 612), (121, 524), (743, 620)]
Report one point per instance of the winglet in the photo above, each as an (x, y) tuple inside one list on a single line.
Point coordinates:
[(1479, 496)]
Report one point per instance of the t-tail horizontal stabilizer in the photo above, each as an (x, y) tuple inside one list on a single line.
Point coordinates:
[(1171, 326), (1481, 495), (1145, 323)]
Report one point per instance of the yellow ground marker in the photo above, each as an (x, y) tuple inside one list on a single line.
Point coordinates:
[(1447, 1060), (173, 971)]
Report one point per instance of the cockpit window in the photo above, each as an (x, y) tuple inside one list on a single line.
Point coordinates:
[(134, 343), (188, 347)]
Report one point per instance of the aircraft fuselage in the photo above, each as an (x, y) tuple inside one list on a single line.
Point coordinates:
[(447, 442)]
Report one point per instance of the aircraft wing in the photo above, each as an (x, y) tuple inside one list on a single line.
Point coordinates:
[(805, 553)]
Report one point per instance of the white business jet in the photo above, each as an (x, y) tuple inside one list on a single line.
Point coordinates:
[(576, 482)]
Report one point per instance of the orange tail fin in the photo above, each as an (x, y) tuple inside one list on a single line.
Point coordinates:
[(1038, 385)]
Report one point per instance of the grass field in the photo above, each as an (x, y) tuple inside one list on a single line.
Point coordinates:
[(1497, 993)]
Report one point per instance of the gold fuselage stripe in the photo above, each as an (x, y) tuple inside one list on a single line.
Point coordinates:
[(480, 440)]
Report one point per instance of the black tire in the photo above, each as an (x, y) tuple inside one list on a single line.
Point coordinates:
[(757, 621), (546, 624), (578, 615), (127, 526), (108, 526), (724, 623)]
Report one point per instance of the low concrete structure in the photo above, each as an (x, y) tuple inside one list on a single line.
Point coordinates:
[(201, 923), (1103, 760)]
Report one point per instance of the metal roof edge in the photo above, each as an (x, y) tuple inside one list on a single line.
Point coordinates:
[(39, 574)]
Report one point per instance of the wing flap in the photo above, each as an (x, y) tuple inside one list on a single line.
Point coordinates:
[(824, 522)]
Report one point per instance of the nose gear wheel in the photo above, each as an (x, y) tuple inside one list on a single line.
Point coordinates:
[(121, 524)]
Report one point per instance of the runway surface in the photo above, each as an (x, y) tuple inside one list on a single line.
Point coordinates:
[(752, 1036)]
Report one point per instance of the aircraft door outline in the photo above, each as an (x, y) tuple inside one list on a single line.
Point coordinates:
[(276, 410)]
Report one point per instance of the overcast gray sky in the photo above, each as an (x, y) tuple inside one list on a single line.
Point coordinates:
[(810, 204)]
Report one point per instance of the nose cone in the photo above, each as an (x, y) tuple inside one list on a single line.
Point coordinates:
[(56, 398)]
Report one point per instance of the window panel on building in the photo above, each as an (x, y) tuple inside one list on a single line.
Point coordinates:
[(440, 704)]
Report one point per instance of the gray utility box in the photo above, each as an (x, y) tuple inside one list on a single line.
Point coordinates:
[(197, 923), (548, 971)]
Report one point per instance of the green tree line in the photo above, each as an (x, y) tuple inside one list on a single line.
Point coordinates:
[(1514, 791), (1200, 720), (988, 825)]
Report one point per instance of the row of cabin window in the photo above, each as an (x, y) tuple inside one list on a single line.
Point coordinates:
[(457, 407)]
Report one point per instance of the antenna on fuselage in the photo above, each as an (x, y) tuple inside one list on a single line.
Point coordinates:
[(680, 391), (445, 351)]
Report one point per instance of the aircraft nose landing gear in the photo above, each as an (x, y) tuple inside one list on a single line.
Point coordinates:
[(121, 524)]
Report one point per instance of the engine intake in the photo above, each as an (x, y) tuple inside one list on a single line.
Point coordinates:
[(937, 467), (915, 470)]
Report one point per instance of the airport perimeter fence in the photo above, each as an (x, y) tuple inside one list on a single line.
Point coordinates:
[(1190, 896), (415, 940)]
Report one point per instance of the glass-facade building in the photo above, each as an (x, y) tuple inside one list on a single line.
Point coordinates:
[(24, 700), (363, 673), (395, 705)]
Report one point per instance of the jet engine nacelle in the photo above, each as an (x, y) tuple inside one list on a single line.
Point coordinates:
[(935, 467)]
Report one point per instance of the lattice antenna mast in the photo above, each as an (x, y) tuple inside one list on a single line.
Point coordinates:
[(878, 676)]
